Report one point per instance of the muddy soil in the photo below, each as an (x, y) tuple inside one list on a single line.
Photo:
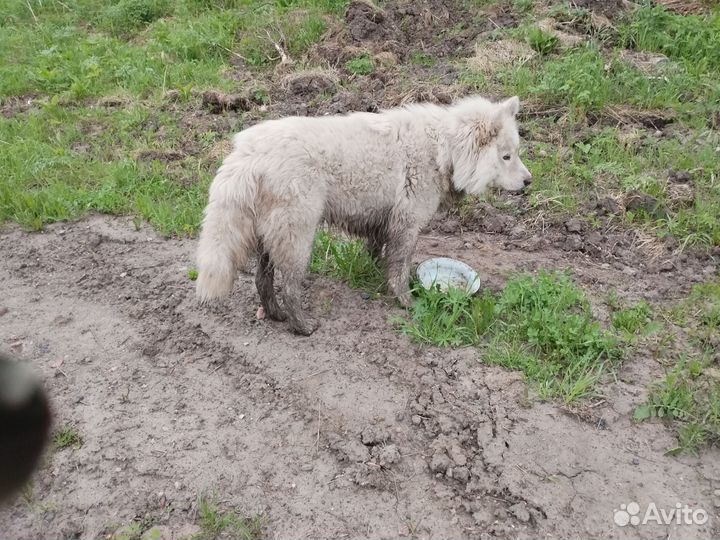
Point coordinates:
[(352, 432)]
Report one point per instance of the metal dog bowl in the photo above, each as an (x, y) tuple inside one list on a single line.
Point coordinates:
[(447, 273)]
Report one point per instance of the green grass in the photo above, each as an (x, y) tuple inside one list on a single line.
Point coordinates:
[(541, 325), (688, 396), (362, 65), (347, 260), (633, 319), (66, 437), (59, 163), (541, 41), (692, 39), (216, 522)]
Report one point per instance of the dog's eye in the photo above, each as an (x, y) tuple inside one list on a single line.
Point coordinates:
[(506, 157)]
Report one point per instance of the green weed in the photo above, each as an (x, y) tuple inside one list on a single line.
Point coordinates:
[(362, 65), (66, 437), (348, 260), (633, 319), (693, 39), (214, 521), (689, 395), (542, 41)]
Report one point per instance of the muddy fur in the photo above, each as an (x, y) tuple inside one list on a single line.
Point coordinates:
[(379, 176)]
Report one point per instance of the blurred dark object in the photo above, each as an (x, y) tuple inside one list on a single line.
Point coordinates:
[(24, 425)]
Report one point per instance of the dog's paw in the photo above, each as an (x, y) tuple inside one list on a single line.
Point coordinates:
[(304, 327), (405, 299)]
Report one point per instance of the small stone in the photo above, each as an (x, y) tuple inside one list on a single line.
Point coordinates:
[(375, 435), (389, 455), (637, 201), (457, 455), (461, 474), (178, 485), (666, 266), (573, 243), (439, 462), (628, 271), (3, 311), (520, 511), (365, 296), (635, 461), (680, 177), (306, 467), (416, 420), (607, 205), (574, 225)]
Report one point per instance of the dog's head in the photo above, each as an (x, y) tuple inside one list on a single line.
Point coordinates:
[(484, 146)]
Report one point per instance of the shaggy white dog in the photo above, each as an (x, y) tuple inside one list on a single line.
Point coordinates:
[(380, 176)]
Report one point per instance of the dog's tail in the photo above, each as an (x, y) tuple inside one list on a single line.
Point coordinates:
[(227, 238)]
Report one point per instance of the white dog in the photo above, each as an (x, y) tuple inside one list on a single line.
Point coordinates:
[(380, 176)]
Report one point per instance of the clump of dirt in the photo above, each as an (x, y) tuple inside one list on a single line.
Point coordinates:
[(17, 104), (166, 156), (311, 83), (440, 28), (612, 9), (219, 102)]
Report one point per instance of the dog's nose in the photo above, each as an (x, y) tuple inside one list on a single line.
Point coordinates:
[(527, 181)]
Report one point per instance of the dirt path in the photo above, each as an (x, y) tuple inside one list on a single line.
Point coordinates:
[(353, 432)]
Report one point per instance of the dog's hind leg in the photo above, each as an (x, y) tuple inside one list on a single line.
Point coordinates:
[(400, 247), (288, 234), (264, 277), (376, 241)]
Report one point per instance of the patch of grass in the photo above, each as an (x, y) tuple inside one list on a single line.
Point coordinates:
[(128, 15), (633, 319), (192, 274), (347, 260), (541, 325), (689, 395), (60, 163), (449, 319), (214, 521), (362, 65), (66, 437), (693, 39), (422, 59), (700, 313), (542, 41), (568, 179), (523, 6)]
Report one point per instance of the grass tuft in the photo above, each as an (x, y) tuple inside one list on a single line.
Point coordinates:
[(214, 521), (362, 65), (66, 437), (347, 260), (541, 325)]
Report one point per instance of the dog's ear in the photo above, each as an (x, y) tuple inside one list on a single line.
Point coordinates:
[(511, 105), (485, 130)]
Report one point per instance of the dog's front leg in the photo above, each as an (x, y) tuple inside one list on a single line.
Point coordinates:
[(399, 251)]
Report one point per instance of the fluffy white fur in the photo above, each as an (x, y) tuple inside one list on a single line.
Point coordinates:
[(381, 176)]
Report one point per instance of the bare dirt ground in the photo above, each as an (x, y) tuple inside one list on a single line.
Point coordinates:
[(352, 432)]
